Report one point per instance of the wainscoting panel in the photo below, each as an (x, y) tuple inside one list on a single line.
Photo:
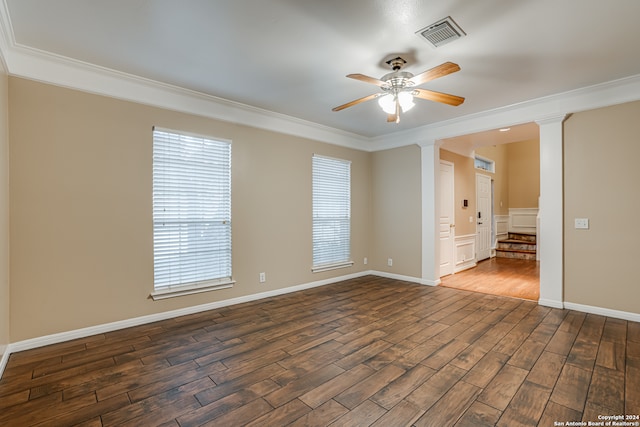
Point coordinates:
[(502, 227), (523, 220), (465, 252)]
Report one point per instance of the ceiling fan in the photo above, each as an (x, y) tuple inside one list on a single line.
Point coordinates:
[(398, 88)]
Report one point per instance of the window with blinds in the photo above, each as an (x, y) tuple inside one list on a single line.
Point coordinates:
[(331, 213), (191, 210)]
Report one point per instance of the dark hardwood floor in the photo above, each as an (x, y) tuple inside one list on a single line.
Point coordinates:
[(516, 278), (368, 351)]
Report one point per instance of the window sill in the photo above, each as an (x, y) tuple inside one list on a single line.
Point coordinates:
[(327, 267), (181, 290)]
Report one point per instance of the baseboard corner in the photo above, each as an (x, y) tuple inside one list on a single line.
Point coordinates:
[(5, 351), (551, 303)]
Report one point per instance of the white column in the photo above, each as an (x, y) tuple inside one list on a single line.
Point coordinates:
[(551, 212), (430, 156)]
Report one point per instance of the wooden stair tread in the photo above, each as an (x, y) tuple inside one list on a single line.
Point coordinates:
[(522, 251), (519, 242)]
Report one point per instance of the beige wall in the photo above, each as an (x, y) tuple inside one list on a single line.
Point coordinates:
[(601, 177), (80, 205), (524, 174), (4, 211), (396, 210), (80, 192), (464, 188)]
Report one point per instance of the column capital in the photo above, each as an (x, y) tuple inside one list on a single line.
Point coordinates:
[(428, 143), (551, 119)]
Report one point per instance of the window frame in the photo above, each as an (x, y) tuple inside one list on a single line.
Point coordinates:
[(321, 261), (491, 164), (207, 218)]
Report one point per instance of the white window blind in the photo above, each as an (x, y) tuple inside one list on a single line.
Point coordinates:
[(331, 213), (191, 209)]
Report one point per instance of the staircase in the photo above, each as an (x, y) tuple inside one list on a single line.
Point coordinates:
[(517, 245)]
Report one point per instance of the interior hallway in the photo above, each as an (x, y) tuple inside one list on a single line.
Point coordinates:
[(500, 276)]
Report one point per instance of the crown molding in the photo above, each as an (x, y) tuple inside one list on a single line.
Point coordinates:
[(53, 69), (33, 64), (23, 61), (536, 110)]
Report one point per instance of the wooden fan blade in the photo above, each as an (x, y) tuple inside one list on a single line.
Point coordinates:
[(356, 101), (431, 95), (394, 118), (434, 73), (366, 79)]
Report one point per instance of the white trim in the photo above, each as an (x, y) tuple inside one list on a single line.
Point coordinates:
[(430, 211), (618, 314), (465, 245), (478, 257), (502, 227), (551, 205), (551, 303), (406, 278), (329, 267), (190, 289), (486, 160), (452, 237), (127, 323), (6, 352), (53, 69), (614, 92), (137, 321), (30, 63), (523, 220)]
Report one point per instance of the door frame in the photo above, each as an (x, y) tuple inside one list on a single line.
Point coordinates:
[(452, 257), (489, 218)]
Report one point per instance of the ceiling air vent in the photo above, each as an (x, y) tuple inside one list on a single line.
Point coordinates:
[(442, 32)]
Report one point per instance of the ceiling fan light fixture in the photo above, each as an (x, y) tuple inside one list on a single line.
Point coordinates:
[(387, 103), (406, 101), (398, 91)]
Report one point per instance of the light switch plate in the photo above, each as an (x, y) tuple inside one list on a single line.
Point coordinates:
[(582, 223)]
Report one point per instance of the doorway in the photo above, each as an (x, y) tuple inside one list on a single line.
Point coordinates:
[(492, 194), (483, 217), (447, 218)]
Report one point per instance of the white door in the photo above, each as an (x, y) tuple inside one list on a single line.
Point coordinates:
[(483, 216), (447, 220)]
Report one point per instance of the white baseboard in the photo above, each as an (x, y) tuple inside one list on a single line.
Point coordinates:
[(113, 326), (624, 315), (122, 324), (5, 351), (551, 303), (465, 266), (406, 278)]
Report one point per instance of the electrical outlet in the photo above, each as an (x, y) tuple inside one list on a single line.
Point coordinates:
[(366, 261), (263, 277), (582, 223), (390, 262)]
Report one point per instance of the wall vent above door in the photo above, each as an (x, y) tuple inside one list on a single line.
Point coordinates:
[(442, 32)]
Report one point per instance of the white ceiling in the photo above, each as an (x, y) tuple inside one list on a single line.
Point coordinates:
[(291, 56)]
